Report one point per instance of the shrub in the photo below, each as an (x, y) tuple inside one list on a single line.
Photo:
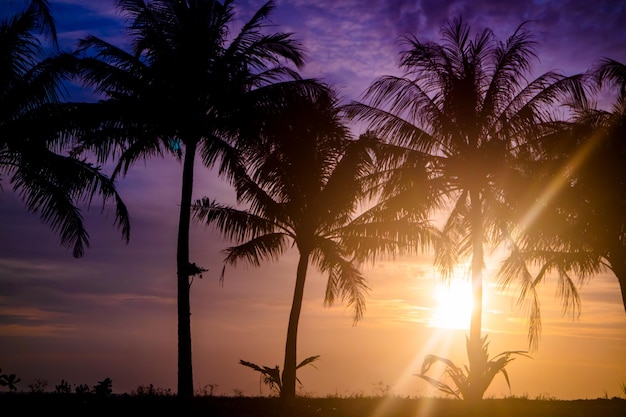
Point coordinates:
[(63, 388), (9, 381), (38, 386), (104, 387)]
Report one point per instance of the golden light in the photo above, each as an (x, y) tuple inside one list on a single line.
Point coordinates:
[(453, 308)]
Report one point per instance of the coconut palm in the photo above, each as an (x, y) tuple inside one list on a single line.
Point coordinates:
[(303, 187), (580, 231), (186, 87), (464, 107), (32, 138)]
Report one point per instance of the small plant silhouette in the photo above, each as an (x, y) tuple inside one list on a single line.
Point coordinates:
[(104, 387), (272, 377), (461, 387), (82, 389), (381, 390), (207, 390), (9, 381), (151, 391), (63, 388), (38, 386)]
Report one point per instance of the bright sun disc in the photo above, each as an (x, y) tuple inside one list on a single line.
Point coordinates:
[(453, 305)]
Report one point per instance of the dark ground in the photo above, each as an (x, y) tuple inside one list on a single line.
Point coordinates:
[(123, 405)]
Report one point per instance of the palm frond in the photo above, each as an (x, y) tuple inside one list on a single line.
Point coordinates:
[(344, 278), (612, 72), (234, 224), (267, 247), (51, 185)]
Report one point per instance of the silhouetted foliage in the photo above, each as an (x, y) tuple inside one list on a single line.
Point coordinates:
[(185, 88), (208, 390), (302, 189), (82, 389), (460, 377), (353, 406), (580, 230), (38, 386), (464, 112), (63, 388), (103, 388), (272, 377), (151, 391), (33, 135), (9, 381)]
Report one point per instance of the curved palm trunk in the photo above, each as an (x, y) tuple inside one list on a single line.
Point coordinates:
[(617, 261), (474, 347), (288, 390), (620, 273), (185, 370)]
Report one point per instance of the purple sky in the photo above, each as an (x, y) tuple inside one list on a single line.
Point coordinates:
[(113, 312)]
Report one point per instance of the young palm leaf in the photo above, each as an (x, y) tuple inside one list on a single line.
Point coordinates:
[(272, 377), (461, 387)]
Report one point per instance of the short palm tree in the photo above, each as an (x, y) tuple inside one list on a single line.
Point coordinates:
[(464, 108), (460, 377), (32, 138), (272, 377), (302, 189), (186, 88), (581, 230)]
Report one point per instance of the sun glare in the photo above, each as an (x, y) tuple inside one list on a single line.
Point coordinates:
[(453, 307)]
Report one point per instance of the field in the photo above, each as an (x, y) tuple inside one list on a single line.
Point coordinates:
[(75, 405)]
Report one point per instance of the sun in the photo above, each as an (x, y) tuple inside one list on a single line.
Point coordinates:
[(453, 308)]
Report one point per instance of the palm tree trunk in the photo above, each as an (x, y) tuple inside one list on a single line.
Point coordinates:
[(617, 261), (288, 390), (474, 346), (185, 370), (621, 278)]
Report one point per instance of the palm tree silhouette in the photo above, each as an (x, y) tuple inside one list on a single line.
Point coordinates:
[(465, 109), (186, 87), (32, 134), (581, 230), (302, 189)]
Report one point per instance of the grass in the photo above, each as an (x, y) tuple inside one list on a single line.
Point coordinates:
[(92, 405)]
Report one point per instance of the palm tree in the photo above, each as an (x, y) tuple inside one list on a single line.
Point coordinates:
[(464, 108), (186, 87), (581, 230), (32, 138), (302, 189)]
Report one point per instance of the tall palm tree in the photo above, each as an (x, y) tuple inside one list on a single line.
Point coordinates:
[(32, 139), (465, 108), (186, 87), (581, 230), (302, 189)]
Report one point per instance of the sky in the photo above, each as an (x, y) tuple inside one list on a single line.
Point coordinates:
[(112, 313)]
